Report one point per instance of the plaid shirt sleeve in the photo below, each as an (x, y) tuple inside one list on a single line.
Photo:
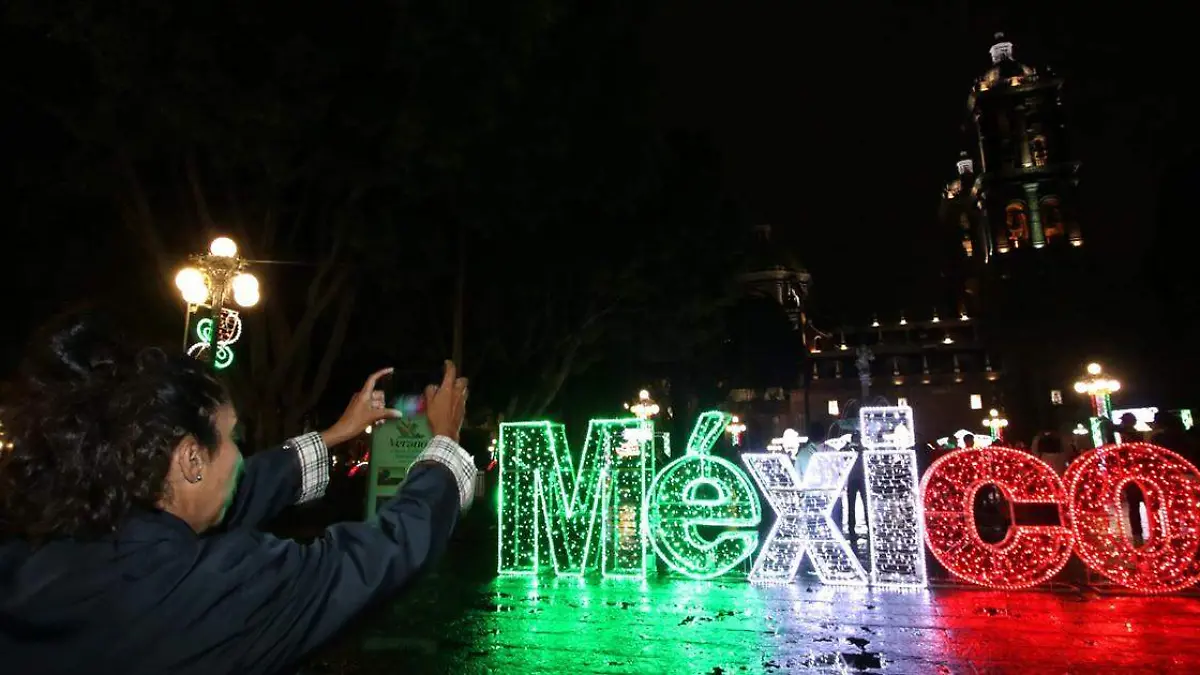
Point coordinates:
[(314, 465), (451, 455)]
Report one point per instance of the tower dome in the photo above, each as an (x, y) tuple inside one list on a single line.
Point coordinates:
[(1005, 69), (765, 254), (772, 271)]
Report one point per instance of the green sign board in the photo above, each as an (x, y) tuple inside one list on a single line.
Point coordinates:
[(394, 447)]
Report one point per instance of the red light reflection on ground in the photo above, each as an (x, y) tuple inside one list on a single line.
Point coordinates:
[(1047, 632)]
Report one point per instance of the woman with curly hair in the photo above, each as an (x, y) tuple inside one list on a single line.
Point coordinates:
[(128, 538)]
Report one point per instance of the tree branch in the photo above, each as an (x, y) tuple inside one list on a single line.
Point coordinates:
[(303, 329), (333, 349), (139, 217), (559, 378), (197, 189)]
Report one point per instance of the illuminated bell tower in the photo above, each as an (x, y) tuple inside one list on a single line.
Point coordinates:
[(1012, 209), (1022, 191)]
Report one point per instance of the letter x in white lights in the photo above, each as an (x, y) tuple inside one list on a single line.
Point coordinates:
[(803, 522)]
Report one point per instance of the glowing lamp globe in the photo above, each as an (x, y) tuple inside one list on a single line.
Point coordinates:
[(193, 285), (1093, 369), (223, 247), (245, 289)]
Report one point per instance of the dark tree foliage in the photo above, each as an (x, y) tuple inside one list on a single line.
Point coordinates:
[(389, 153)]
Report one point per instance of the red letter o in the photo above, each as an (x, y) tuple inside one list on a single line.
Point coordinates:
[(1029, 555), (1167, 561)]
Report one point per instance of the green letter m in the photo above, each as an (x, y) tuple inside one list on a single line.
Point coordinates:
[(546, 504)]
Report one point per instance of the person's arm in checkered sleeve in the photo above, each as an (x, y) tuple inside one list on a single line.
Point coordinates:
[(298, 471)]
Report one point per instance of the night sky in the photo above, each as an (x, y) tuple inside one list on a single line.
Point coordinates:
[(839, 122)]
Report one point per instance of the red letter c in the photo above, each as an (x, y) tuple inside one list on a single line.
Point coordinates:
[(1029, 554)]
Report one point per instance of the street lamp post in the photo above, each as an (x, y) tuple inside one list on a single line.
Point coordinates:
[(1099, 389), (212, 279), (995, 422), (736, 428), (644, 408)]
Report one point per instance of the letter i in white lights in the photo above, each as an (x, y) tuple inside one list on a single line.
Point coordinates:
[(803, 522), (893, 497)]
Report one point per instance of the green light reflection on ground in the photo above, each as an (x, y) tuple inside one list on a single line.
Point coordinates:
[(545, 625)]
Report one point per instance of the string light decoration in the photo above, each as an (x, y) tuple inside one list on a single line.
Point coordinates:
[(1029, 554), (626, 550), (804, 522), (894, 518), (662, 443), (700, 490), (1167, 561), (545, 501), (229, 333)]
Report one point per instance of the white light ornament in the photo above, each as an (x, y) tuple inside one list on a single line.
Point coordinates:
[(839, 442), (804, 522), (789, 443), (894, 513)]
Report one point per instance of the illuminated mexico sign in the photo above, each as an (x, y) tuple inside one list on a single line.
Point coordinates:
[(615, 511)]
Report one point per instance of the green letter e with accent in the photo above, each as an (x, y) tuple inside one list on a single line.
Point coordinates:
[(700, 490)]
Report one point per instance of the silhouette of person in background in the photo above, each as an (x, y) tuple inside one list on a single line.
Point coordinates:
[(1127, 428), (856, 487), (1170, 434)]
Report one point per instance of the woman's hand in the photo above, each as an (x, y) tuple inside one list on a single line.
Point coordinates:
[(446, 404), (367, 407)]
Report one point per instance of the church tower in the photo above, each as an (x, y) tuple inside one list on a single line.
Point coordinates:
[(1013, 209), (1016, 187)]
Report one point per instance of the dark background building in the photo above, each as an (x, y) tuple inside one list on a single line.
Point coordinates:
[(1011, 322)]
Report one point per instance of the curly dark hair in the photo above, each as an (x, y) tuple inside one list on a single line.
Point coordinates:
[(93, 423)]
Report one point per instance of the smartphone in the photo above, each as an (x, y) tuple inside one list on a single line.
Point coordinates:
[(405, 394)]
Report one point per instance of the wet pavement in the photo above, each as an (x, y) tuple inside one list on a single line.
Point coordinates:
[(463, 619), (547, 625)]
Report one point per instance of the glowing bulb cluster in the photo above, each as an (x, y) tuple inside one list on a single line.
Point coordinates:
[(245, 289), (223, 247), (193, 285), (644, 408), (995, 422), (1094, 384), (198, 286)]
